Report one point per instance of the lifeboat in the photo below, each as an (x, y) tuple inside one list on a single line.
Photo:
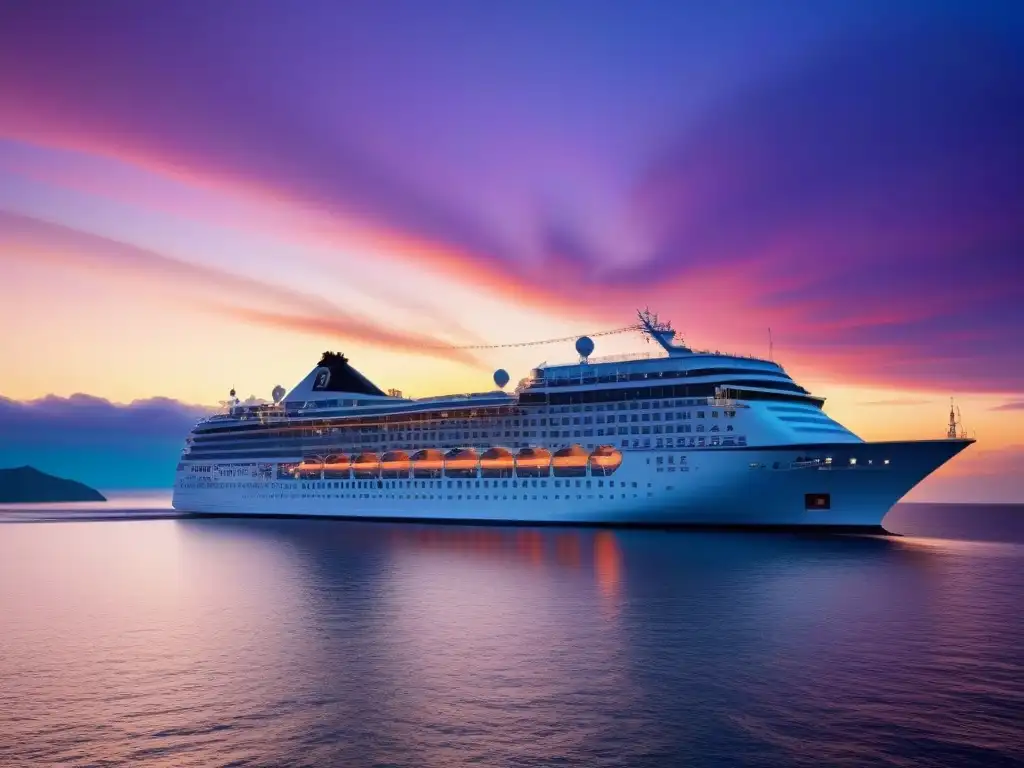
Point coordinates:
[(533, 462), (570, 461), (604, 460), (395, 464), (427, 463), (497, 462), (311, 468), (461, 462), (366, 465), (336, 466)]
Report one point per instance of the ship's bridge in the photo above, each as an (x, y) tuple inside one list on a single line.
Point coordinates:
[(692, 374), (638, 368), (728, 370)]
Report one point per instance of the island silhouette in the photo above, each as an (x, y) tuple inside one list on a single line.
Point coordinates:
[(29, 485)]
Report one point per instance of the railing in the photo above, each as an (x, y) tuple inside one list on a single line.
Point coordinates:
[(719, 353), (660, 355), (455, 398), (624, 358)]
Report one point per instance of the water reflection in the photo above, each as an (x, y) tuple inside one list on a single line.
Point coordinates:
[(318, 642)]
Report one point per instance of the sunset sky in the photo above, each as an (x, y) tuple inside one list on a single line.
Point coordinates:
[(201, 195)]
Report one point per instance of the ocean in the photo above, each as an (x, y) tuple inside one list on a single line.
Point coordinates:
[(128, 637)]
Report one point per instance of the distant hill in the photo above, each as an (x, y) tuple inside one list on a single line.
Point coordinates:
[(28, 484)]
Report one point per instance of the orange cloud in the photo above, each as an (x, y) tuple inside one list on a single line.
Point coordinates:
[(27, 239), (352, 329)]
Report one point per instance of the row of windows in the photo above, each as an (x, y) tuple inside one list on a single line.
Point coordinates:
[(431, 484), (451, 497), (827, 462), (541, 379), (394, 438), (478, 419), (738, 388)]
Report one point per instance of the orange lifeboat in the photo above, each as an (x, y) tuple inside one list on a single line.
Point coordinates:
[(287, 471), (427, 463), (570, 461), (533, 462), (310, 468), (497, 462), (366, 465), (461, 462), (336, 466), (395, 464), (605, 459)]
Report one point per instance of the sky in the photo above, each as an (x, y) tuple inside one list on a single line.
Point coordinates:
[(197, 196)]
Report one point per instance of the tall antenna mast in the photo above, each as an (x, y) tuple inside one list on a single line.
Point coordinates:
[(770, 343), (951, 432), (662, 333)]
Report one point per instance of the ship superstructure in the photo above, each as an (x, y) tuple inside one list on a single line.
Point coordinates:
[(682, 437)]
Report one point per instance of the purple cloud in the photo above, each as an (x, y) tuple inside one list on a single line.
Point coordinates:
[(860, 194), (90, 439), (86, 419), (1013, 405)]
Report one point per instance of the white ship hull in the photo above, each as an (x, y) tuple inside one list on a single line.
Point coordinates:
[(743, 487)]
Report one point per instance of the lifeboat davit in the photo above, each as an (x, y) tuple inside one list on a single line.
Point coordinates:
[(394, 464), (461, 462), (428, 463), (366, 465), (605, 459), (497, 462), (570, 461), (533, 462), (336, 466)]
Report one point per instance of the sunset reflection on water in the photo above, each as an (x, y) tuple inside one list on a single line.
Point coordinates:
[(198, 642)]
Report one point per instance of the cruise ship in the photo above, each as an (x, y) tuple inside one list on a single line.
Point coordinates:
[(679, 437)]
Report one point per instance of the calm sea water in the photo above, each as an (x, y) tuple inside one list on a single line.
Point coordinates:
[(176, 642)]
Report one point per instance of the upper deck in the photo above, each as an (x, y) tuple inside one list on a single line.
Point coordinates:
[(616, 369), (335, 391)]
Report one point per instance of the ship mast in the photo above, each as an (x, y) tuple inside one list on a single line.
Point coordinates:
[(955, 429), (662, 333)]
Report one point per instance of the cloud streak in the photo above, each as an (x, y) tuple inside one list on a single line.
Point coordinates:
[(897, 401), (25, 239), (1013, 405)]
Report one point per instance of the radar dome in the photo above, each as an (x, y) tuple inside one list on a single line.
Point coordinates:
[(501, 378), (585, 346), (232, 392), (277, 393)]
